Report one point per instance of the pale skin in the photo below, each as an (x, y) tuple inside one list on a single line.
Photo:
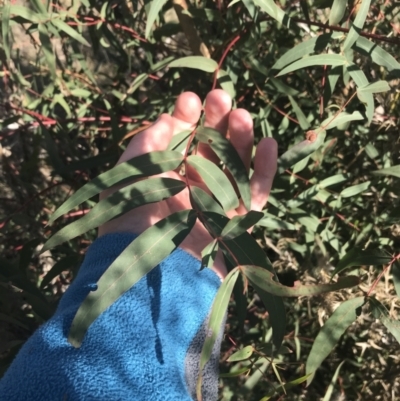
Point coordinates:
[(237, 126)]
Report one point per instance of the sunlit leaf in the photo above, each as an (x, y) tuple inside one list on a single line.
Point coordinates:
[(330, 334), (273, 222), (395, 270), (229, 156), (120, 202), (215, 324), (179, 141), (299, 152), (239, 224), (216, 181), (48, 51), (337, 11), (311, 61), (24, 12), (138, 259), (355, 189), (5, 28), (63, 26), (152, 14), (375, 87), (242, 354), (141, 166), (197, 62), (393, 171), (203, 201), (362, 257), (209, 253), (274, 11), (329, 391), (357, 25), (342, 118), (304, 124)]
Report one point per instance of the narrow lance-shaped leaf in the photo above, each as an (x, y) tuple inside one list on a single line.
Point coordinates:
[(138, 259), (197, 62), (229, 156), (342, 118), (308, 46), (395, 270), (215, 324), (329, 391), (141, 166), (375, 87), (202, 201), (330, 334), (24, 12), (337, 11), (242, 354), (381, 313), (239, 224), (300, 151), (155, 8), (5, 29), (63, 26), (362, 257), (66, 263), (357, 25), (179, 141), (274, 11), (120, 202), (216, 181), (209, 253), (304, 124), (264, 279), (393, 171), (47, 48), (310, 61), (355, 189)]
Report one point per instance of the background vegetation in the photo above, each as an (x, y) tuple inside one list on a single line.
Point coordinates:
[(80, 78)]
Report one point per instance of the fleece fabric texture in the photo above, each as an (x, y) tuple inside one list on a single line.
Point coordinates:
[(135, 350)]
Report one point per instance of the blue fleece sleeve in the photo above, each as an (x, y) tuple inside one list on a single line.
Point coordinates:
[(144, 347)]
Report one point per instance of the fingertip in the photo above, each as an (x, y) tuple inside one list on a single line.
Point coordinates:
[(266, 157), (240, 120), (187, 108)]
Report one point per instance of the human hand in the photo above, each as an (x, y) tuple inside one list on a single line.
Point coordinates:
[(237, 126)]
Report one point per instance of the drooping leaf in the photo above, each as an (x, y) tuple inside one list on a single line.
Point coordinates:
[(242, 354), (375, 87), (274, 11), (48, 51), (329, 391), (304, 124), (239, 224), (263, 279), (153, 11), (303, 49), (216, 181), (299, 152), (355, 189), (337, 11), (197, 62), (120, 202), (376, 53), (381, 313), (141, 166), (361, 257), (229, 156), (357, 25), (393, 171), (203, 201), (226, 83), (138, 259), (340, 119), (215, 323), (24, 12), (63, 26), (320, 59), (209, 253), (330, 334)]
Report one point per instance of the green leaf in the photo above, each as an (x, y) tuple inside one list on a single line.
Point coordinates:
[(25, 13), (229, 156), (331, 386), (40, 7), (335, 179), (375, 87), (299, 152), (216, 181), (362, 257), (120, 202), (304, 124), (209, 253), (242, 354), (273, 11), (141, 166), (197, 62), (357, 25), (138, 259), (5, 29), (203, 201), (395, 270), (226, 83), (393, 171), (320, 59), (239, 224), (340, 119), (273, 222), (263, 279), (63, 26), (312, 45), (330, 334), (376, 53), (235, 373), (152, 14), (381, 313), (47, 48), (66, 263), (215, 324), (355, 189), (179, 141), (337, 11), (137, 82)]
